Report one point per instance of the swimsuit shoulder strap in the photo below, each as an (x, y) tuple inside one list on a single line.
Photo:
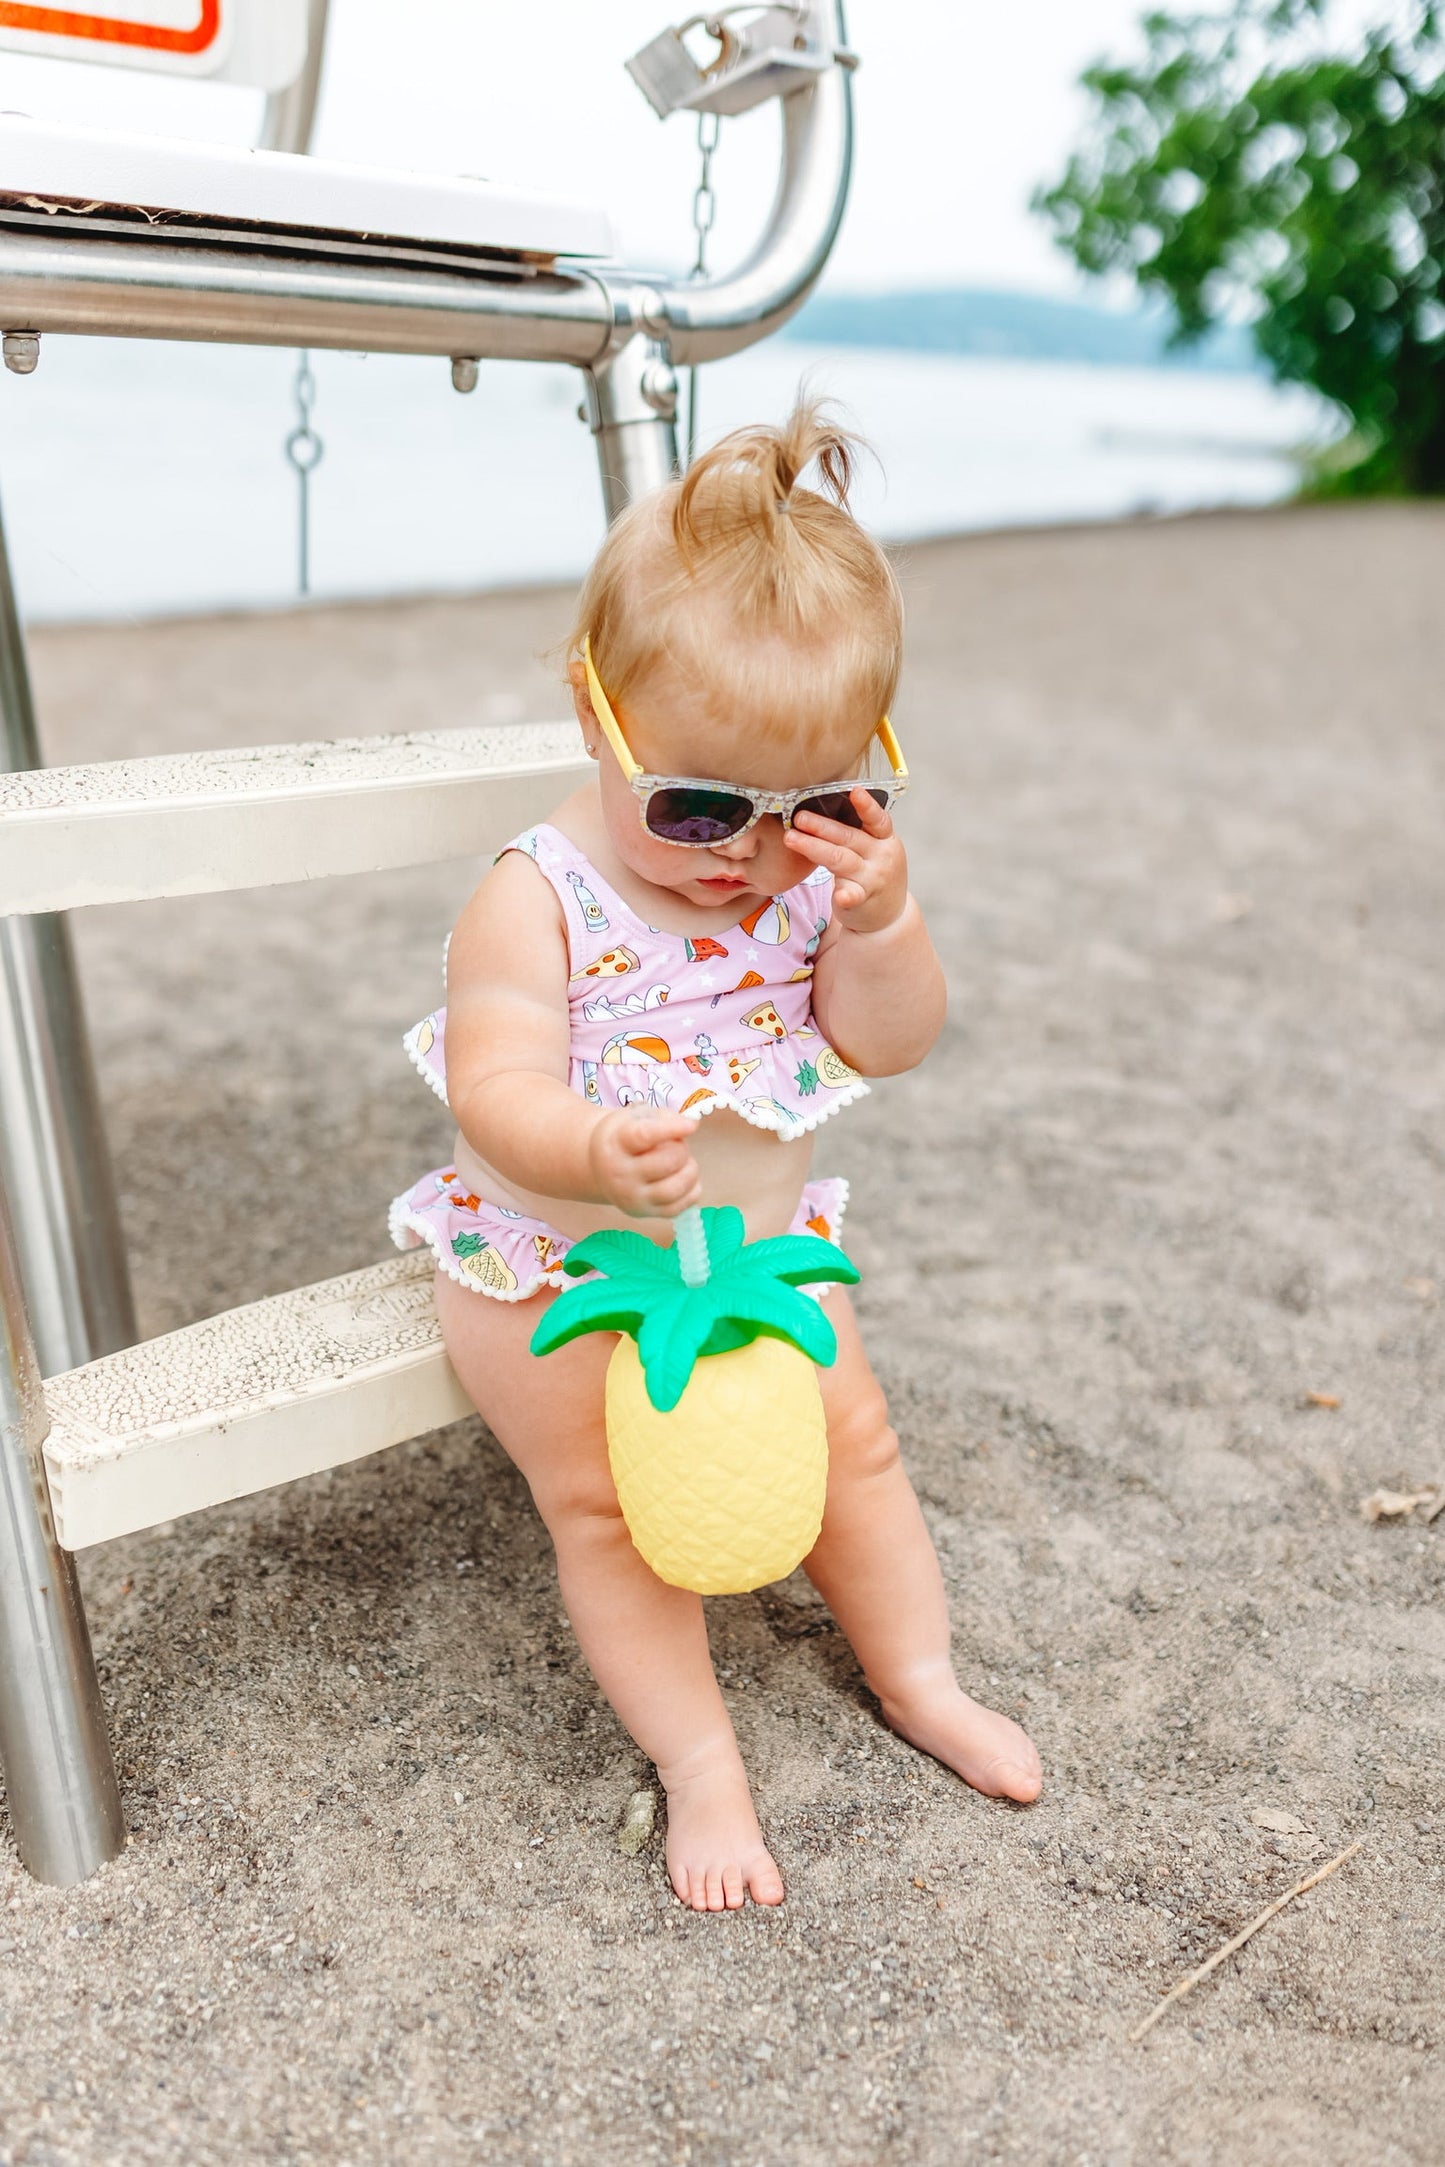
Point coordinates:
[(810, 904), (589, 906)]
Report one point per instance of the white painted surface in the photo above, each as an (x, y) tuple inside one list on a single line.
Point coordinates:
[(123, 831), (244, 1401), (259, 42), (271, 188)]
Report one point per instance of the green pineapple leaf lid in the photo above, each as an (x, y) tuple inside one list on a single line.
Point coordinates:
[(710, 1293)]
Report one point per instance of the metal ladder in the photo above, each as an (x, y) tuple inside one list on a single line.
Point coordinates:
[(121, 1436)]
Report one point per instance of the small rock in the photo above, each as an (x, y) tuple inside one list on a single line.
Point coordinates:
[(1280, 1824), (637, 1823)]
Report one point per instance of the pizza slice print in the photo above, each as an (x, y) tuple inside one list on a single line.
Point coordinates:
[(766, 1019), (615, 964)]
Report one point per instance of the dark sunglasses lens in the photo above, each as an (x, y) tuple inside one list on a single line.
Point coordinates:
[(838, 805), (697, 816)]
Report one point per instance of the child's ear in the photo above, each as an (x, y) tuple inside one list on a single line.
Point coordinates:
[(582, 702)]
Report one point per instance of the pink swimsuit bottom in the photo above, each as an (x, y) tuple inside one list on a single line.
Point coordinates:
[(698, 1025)]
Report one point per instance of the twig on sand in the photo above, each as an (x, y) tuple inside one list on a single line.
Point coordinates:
[(1177, 1993)]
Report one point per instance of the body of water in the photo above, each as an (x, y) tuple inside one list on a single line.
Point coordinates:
[(140, 479)]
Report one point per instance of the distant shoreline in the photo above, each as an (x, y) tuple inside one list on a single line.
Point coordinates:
[(996, 325), (150, 480), (529, 594)]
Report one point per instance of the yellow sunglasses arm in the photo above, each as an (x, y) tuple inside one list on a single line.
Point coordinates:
[(602, 709), (889, 741)]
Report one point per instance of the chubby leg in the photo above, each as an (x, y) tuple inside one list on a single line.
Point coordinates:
[(874, 1565), (646, 1642)]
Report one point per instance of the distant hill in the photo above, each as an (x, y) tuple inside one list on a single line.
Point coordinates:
[(1012, 326)]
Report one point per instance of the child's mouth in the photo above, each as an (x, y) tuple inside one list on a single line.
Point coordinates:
[(724, 883)]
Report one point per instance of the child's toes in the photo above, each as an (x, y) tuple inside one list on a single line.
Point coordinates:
[(1026, 1778), (732, 1886), (765, 1883), (714, 1886), (1010, 1778), (1016, 1771)]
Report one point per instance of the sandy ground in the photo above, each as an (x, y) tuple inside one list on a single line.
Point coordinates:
[(1176, 1165)]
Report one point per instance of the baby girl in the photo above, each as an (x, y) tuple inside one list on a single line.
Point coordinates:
[(719, 926)]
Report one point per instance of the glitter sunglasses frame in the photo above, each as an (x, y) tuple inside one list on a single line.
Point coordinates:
[(785, 803)]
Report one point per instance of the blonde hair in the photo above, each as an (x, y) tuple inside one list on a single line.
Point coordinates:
[(744, 583)]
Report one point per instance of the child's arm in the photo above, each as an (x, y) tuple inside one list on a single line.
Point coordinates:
[(508, 1055), (878, 990)]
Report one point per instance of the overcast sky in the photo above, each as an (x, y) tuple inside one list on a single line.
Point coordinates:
[(962, 109)]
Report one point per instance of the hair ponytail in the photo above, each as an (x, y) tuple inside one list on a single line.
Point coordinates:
[(745, 482), (739, 541)]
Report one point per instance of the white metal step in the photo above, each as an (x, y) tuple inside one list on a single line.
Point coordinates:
[(247, 1400), (94, 177), (192, 823)]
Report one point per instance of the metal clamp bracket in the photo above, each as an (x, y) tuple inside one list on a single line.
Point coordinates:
[(782, 50)]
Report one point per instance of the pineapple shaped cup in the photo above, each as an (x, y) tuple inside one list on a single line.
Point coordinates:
[(715, 1427)]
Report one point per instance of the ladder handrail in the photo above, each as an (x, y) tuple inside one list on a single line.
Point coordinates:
[(65, 281)]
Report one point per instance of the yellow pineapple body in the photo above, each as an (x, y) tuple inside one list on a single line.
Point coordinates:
[(725, 1492)]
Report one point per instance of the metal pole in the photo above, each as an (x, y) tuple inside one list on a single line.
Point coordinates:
[(54, 1163), (632, 413), (290, 114), (65, 1810)]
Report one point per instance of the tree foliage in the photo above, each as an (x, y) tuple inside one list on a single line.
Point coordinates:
[(1241, 162)]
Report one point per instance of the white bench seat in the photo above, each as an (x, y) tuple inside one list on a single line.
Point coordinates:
[(255, 1397), (121, 831), (103, 181)]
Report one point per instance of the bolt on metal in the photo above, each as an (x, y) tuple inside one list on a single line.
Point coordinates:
[(22, 352)]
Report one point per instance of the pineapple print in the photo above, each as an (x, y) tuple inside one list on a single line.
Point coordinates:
[(715, 1427), (479, 1260)]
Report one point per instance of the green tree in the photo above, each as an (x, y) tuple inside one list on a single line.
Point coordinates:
[(1239, 165)]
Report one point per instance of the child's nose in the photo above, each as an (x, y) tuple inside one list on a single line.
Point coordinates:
[(748, 844)]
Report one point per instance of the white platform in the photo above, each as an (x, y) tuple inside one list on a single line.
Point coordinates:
[(122, 831), (124, 174), (249, 1399)]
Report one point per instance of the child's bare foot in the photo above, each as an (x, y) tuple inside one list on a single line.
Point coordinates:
[(715, 1851), (988, 1750)]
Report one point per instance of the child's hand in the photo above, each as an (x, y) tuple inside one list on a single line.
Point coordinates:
[(643, 1163), (868, 864)]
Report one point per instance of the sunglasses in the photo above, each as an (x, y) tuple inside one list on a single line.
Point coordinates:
[(699, 813)]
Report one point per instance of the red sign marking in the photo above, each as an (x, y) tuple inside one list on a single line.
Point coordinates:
[(104, 30)]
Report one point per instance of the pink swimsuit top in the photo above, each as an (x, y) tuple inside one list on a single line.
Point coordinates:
[(658, 1019)]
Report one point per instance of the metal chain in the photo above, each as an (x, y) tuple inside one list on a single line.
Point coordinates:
[(704, 210), (305, 451), (704, 202)]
